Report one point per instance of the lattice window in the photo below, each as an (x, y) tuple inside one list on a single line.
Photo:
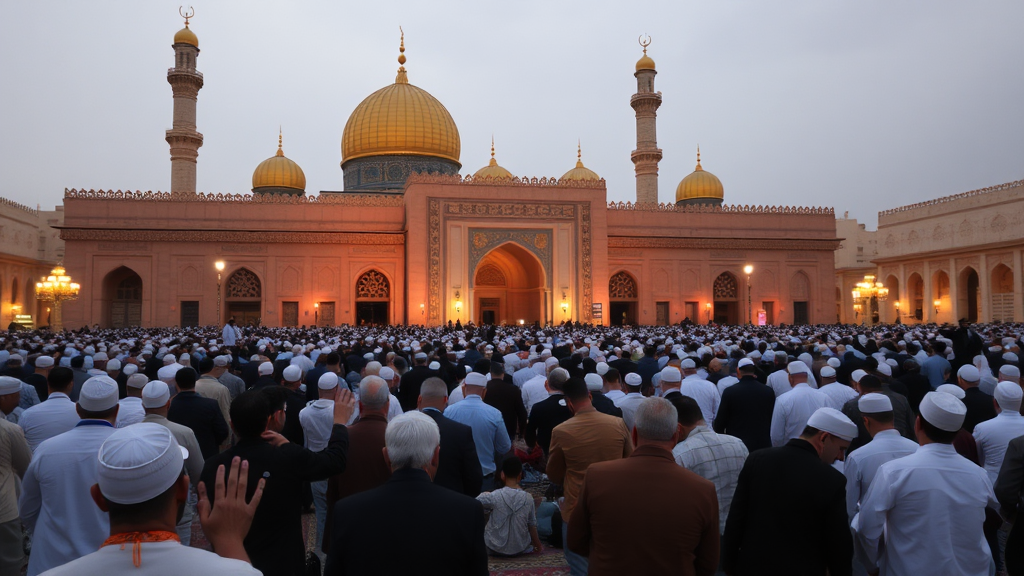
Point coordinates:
[(244, 284), (130, 288), (725, 286), (373, 286), (622, 287), (490, 276)]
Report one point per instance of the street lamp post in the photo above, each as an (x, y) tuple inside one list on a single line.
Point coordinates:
[(57, 288), (748, 270), (219, 265)]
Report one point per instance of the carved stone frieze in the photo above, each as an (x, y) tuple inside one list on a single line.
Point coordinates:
[(332, 199), (231, 236), (514, 181), (536, 241), (707, 208), (721, 243), (509, 209)]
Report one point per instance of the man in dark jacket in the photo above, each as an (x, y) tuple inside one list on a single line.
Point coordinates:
[(548, 413), (201, 415), (441, 532), (409, 386), (459, 466), (274, 543), (508, 399), (746, 409), (795, 490)]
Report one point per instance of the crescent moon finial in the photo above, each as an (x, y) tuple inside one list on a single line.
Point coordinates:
[(186, 14), (644, 41)]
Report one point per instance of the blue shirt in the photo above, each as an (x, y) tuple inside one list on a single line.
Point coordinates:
[(934, 368), (489, 433)]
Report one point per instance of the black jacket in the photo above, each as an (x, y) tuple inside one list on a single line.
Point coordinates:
[(409, 386), (979, 408), (647, 367), (746, 413), (439, 531), (250, 373), (274, 542), (544, 416), (203, 416), (604, 405), (508, 399), (788, 516), (458, 468)]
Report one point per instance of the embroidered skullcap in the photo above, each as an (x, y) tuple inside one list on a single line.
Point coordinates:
[(138, 463), (221, 361), (1008, 395), (797, 367), (834, 362), (953, 390), (857, 375), (1009, 370), (671, 374), (633, 379), (476, 379), (387, 374), (944, 411), (138, 381), (688, 364), (602, 368), (327, 381), (44, 362), (594, 382), (834, 422), (292, 373), (828, 372), (9, 385), (744, 362), (98, 394)]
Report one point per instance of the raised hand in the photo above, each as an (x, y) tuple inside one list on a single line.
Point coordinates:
[(226, 522)]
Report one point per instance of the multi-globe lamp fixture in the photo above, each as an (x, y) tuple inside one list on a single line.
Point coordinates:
[(57, 288), (866, 290)]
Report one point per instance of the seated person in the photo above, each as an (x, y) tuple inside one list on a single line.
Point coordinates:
[(512, 526)]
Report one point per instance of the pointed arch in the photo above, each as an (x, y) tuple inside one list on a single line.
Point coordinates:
[(123, 292), (622, 286), (243, 297), (373, 298)]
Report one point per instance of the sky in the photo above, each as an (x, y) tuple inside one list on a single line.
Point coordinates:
[(857, 105)]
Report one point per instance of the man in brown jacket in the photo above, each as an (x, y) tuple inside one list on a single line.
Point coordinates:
[(677, 509)]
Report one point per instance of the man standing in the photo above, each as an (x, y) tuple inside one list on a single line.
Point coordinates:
[(993, 436), (55, 502), (596, 386), (230, 334), (704, 392), (789, 417), (746, 409), (55, 415), (296, 401), (629, 402), (317, 419), (458, 466), (588, 437), (14, 459), (489, 434), (979, 405), (886, 444), (446, 529), (930, 505), (678, 509), (936, 367), (549, 412), (838, 393), (795, 490), (222, 372), (200, 414), (409, 386), (131, 410), (1009, 490), (38, 379), (903, 416), (208, 386), (508, 399)]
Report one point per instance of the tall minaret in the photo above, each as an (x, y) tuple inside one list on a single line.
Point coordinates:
[(185, 83), (647, 154)]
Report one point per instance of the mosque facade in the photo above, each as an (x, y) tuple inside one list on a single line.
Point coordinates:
[(412, 241)]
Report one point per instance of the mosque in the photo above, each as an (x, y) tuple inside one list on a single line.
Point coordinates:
[(410, 240)]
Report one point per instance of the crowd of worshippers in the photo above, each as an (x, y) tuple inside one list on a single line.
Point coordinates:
[(669, 450)]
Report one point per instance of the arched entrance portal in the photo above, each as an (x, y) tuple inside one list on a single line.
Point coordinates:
[(623, 295), (727, 306), (916, 293), (244, 298), (373, 299), (968, 288), (892, 304), (122, 298), (1002, 293), (508, 287)]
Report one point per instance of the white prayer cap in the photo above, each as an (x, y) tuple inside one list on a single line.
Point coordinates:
[(9, 385), (943, 411), (292, 373), (1008, 395), (594, 382), (168, 359), (633, 379), (44, 362), (671, 374), (885, 369), (369, 356), (744, 362), (857, 375), (806, 358), (98, 394), (328, 381), (184, 358), (265, 369), (834, 422), (99, 356), (387, 374), (953, 390), (435, 365), (221, 361), (168, 371), (1009, 370), (768, 356), (476, 379), (138, 381), (828, 372), (1009, 357), (130, 369), (138, 463), (834, 362), (688, 364), (602, 368), (969, 373), (420, 356), (551, 361), (874, 403), (114, 365), (797, 367), (254, 358)]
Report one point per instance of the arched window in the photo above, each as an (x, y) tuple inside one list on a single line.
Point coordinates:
[(244, 284), (373, 286), (622, 286), (725, 286)]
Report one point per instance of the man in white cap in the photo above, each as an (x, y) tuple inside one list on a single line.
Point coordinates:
[(409, 389), (53, 416), (222, 372), (746, 409), (1009, 373), (994, 435), (886, 444), (669, 379), (266, 375), (130, 409), (795, 490), (317, 419), (230, 334), (43, 365), (535, 389), (632, 398), (979, 405), (837, 392), (489, 433), (704, 392), (14, 458), (55, 502), (930, 505), (141, 486), (156, 401), (208, 386), (791, 411)]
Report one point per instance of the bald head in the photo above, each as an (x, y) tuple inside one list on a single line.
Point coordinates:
[(433, 394), (374, 394)]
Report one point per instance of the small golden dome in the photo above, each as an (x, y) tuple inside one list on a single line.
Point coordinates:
[(580, 172), (645, 62), (186, 36), (492, 170), (700, 184), (278, 172), (400, 119)]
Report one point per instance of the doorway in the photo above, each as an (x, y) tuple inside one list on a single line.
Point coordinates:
[(800, 313), (727, 307), (371, 313), (726, 313), (245, 313), (508, 286), (123, 297), (769, 312), (662, 313)]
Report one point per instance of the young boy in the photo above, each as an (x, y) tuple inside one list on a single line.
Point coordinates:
[(512, 526)]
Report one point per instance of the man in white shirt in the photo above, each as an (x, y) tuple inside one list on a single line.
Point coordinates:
[(629, 403), (778, 380), (993, 436), (317, 420), (130, 410), (837, 392), (789, 417), (612, 385), (229, 334), (704, 392), (55, 415), (930, 505), (886, 444), (55, 502), (535, 389)]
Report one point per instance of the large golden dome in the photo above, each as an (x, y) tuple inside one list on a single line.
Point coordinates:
[(278, 172), (492, 170), (400, 119), (186, 36), (700, 184), (580, 172)]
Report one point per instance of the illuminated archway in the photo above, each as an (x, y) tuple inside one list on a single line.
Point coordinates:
[(509, 286)]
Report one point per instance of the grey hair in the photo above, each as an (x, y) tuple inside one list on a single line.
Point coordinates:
[(656, 419), (374, 392), (557, 378), (372, 368), (411, 440), (433, 389)]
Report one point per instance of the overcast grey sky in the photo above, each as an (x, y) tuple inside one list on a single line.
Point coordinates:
[(859, 105)]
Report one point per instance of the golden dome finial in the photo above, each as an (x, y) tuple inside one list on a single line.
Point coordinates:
[(280, 141), (645, 42), (645, 62), (186, 15), (493, 161), (698, 159), (579, 153), (402, 78)]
